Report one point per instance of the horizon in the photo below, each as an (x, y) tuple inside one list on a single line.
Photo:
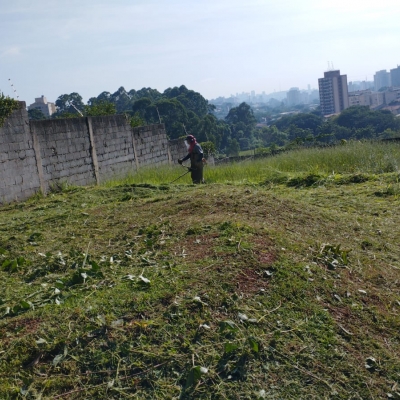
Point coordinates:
[(217, 48)]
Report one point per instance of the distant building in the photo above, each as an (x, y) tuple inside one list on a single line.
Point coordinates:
[(313, 96), (395, 77), (393, 109), (333, 92), (356, 86), (360, 98), (375, 100), (352, 87), (293, 97), (44, 106), (381, 79), (392, 95)]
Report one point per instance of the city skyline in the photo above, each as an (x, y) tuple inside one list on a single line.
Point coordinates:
[(216, 48), (249, 93)]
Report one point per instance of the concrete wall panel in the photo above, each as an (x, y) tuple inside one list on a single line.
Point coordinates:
[(81, 151), (18, 172)]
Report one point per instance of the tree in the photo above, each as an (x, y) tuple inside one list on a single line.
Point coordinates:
[(211, 108), (104, 96), (69, 103), (359, 117), (208, 148), (36, 114), (272, 135), (242, 123), (242, 113), (152, 94), (244, 143), (141, 108), (122, 100), (206, 127), (98, 108), (178, 119), (233, 148), (301, 121), (190, 99), (173, 114), (136, 120)]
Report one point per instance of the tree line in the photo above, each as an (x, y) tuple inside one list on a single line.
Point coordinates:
[(184, 111)]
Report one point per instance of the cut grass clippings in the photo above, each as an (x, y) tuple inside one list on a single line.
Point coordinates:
[(237, 291)]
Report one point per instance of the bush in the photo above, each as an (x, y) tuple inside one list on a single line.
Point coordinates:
[(7, 107)]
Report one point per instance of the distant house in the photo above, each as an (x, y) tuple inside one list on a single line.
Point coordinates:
[(44, 106)]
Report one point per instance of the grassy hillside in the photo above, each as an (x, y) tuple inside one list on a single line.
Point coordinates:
[(278, 283), (324, 164)]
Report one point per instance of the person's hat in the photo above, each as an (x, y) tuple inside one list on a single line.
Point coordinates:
[(190, 138)]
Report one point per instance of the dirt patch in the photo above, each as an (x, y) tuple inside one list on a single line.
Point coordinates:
[(23, 327), (250, 281), (196, 247), (254, 279), (264, 250), (26, 325), (340, 314)]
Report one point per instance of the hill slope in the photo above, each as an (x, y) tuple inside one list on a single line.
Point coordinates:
[(216, 291)]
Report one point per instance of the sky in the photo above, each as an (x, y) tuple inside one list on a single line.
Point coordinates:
[(215, 47)]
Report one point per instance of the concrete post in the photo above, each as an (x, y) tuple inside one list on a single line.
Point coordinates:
[(39, 165), (93, 150)]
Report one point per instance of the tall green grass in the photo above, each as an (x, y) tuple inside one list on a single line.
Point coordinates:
[(350, 158)]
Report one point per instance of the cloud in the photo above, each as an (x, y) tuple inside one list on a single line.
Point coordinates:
[(12, 51)]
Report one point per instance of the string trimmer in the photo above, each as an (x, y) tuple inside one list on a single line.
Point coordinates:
[(179, 177)]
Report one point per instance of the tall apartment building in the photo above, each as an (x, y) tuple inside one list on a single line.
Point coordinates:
[(381, 79), (44, 106), (333, 92), (395, 76)]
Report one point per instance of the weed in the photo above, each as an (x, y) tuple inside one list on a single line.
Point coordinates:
[(331, 256)]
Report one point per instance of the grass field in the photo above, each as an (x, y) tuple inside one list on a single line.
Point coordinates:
[(279, 280), (326, 164)]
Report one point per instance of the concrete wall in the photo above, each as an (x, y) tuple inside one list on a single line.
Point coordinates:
[(34, 155), (64, 151), (151, 145), (177, 149), (113, 145), (19, 177)]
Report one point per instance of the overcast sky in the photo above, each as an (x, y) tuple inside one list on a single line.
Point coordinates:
[(215, 47)]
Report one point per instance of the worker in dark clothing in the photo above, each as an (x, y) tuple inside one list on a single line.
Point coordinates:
[(197, 160)]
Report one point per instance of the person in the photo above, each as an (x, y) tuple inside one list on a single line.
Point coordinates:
[(196, 155)]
